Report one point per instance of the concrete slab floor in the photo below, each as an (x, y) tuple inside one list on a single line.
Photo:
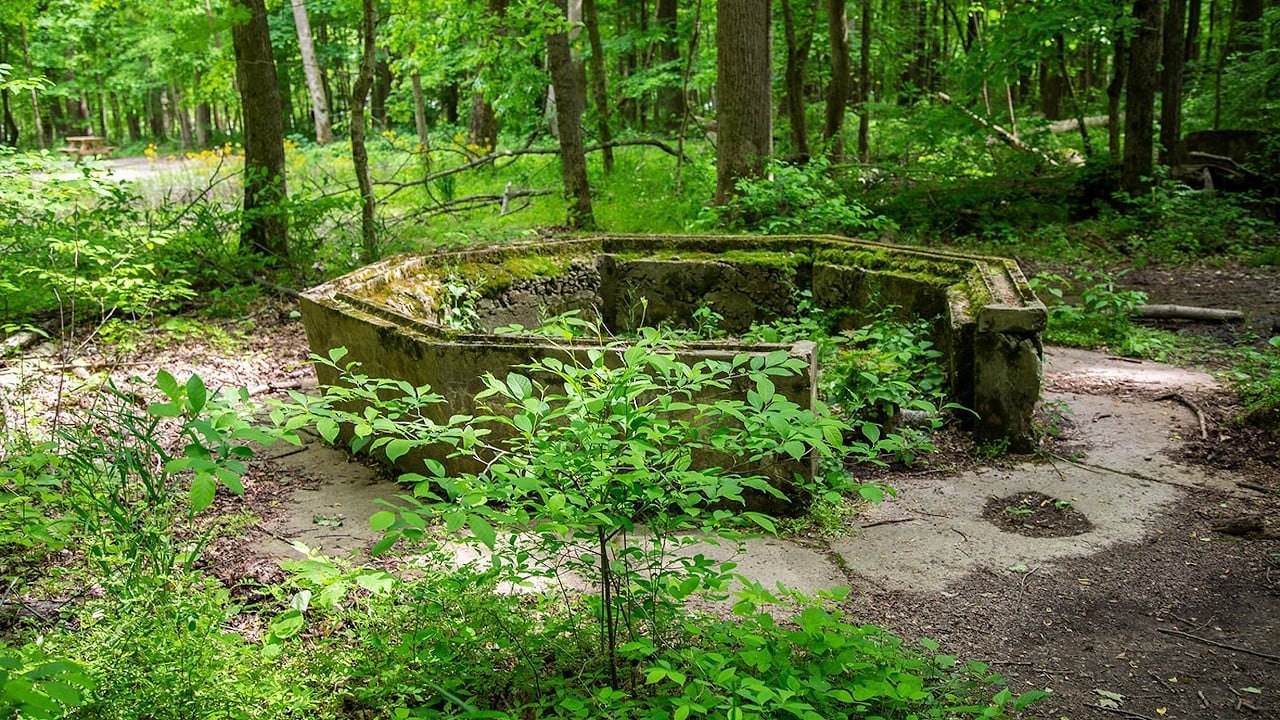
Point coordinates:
[(933, 532)]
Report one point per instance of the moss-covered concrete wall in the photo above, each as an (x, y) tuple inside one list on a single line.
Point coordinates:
[(390, 315)]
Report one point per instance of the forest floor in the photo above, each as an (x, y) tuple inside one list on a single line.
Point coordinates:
[(1133, 567)]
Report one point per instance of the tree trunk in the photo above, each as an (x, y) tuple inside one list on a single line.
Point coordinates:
[(599, 86), (35, 97), (570, 98), (155, 114), (1050, 92), (311, 68), (482, 127), (1172, 63), (1139, 103), (419, 111), (798, 45), (864, 84), (670, 98), (449, 99), (838, 90), (184, 120), (9, 128), (265, 223), (204, 123), (482, 131), (744, 117), (382, 80), (1191, 46), (1115, 90), (359, 153)]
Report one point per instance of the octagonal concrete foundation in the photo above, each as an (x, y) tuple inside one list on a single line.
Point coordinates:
[(394, 316)]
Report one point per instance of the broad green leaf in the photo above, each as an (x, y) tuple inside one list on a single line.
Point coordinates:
[(287, 624), (162, 410), (328, 429), (202, 490), (197, 395), (167, 384), (230, 479), (382, 520), (397, 449), (520, 386), (483, 531)]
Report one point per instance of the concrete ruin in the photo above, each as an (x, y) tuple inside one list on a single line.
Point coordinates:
[(402, 317)]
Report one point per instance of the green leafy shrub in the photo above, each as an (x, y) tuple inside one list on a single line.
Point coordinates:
[(793, 199), (162, 651), (36, 687), (1103, 316), (124, 479)]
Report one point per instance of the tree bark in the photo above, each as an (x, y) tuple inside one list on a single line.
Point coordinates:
[(311, 69), (35, 98), (264, 225), (838, 90), (798, 45), (744, 70), (382, 80), (419, 111), (1139, 104), (599, 84), (864, 84), (568, 84), (670, 98), (359, 153), (1172, 63), (1115, 90)]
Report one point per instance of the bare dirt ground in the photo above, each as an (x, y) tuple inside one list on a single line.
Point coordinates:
[(1176, 615)]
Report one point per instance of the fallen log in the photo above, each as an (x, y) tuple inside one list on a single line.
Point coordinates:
[(1187, 312)]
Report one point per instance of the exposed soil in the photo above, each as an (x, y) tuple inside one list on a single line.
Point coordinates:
[(1035, 514)]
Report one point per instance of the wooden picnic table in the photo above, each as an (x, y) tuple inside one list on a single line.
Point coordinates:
[(81, 145)]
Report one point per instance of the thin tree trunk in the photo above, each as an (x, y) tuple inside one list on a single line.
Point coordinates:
[(671, 100), (35, 98), (311, 68), (382, 80), (570, 98), (1076, 104), (864, 84), (419, 111), (1115, 90), (1191, 46), (798, 46), (838, 90), (359, 153), (184, 121), (599, 86), (1173, 63)]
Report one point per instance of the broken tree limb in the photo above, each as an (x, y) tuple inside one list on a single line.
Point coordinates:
[(1204, 430), (1215, 643), (1005, 136), (1187, 312)]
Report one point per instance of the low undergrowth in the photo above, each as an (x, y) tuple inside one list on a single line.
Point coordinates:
[(593, 523)]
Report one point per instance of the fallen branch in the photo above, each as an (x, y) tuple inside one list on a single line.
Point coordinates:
[(1122, 711), (1005, 136), (278, 289), (274, 387), (1187, 312), (1204, 430), (1215, 643), (893, 521), (1258, 488)]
